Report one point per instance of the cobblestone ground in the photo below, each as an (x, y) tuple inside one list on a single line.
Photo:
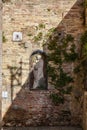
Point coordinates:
[(41, 128)]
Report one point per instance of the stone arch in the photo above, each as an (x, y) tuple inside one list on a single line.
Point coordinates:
[(38, 78)]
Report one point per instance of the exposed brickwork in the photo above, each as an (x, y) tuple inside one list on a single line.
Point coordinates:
[(35, 107), (40, 111)]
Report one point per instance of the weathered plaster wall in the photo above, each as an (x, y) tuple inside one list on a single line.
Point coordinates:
[(24, 107)]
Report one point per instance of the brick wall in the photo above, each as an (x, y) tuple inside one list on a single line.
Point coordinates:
[(85, 112), (35, 107)]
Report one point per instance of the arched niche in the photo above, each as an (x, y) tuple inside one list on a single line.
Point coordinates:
[(38, 71)]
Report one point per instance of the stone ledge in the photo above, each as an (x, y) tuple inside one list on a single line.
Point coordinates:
[(42, 128)]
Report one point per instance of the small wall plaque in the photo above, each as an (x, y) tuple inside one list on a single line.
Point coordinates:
[(26, 44), (17, 36), (4, 94)]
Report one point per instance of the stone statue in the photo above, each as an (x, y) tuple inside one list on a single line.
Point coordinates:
[(38, 70), (39, 79)]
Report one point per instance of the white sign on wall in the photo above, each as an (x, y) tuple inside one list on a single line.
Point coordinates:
[(4, 94), (17, 36)]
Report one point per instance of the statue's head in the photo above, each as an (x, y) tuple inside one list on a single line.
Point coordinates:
[(38, 57)]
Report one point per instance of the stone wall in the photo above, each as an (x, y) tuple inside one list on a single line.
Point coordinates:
[(0, 57), (32, 17), (86, 13), (85, 93), (85, 112)]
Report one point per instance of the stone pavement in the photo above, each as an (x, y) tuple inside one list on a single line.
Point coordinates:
[(42, 128)]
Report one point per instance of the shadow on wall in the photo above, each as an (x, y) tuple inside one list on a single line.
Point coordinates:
[(35, 107), (37, 79)]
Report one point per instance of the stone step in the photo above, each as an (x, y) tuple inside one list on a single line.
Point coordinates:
[(41, 128)]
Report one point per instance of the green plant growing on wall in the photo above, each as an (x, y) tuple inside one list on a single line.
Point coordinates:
[(3, 38), (50, 31), (84, 45), (57, 99), (29, 34), (58, 54), (38, 37), (14, 67), (6, 1), (83, 56), (82, 61), (41, 26)]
